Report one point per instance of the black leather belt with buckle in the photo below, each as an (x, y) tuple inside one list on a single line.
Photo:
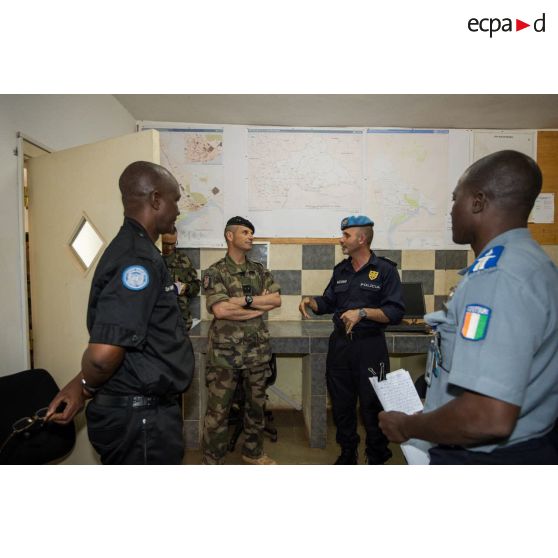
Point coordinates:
[(134, 401)]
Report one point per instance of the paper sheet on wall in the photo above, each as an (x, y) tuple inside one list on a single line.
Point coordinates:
[(486, 142), (543, 210), (397, 393)]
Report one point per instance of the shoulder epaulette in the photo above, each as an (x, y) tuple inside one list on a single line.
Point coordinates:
[(257, 264), (487, 259), (388, 260), (144, 249), (218, 263), (342, 262)]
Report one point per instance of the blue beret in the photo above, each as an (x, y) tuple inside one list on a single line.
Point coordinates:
[(241, 221), (356, 221)]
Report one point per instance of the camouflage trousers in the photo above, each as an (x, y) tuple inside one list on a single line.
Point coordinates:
[(221, 384)]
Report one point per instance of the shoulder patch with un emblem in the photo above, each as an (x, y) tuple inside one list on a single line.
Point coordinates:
[(135, 277)]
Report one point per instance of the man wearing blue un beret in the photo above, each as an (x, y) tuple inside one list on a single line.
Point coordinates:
[(356, 221), (364, 295)]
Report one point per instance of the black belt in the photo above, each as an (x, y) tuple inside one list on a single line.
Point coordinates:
[(133, 400), (358, 334)]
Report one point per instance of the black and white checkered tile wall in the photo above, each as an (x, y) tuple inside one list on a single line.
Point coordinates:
[(306, 270)]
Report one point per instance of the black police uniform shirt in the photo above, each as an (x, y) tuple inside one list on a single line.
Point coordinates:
[(375, 285), (133, 305)]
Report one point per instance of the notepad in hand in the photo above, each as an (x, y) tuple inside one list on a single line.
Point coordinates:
[(397, 393)]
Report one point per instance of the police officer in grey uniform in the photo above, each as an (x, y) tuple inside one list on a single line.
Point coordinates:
[(139, 358), (493, 395)]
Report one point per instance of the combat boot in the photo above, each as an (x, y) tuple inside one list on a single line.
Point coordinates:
[(378, 458), (347, 457), (262, 460)]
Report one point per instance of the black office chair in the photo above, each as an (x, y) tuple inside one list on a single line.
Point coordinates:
[(25, 439), (236, 414)]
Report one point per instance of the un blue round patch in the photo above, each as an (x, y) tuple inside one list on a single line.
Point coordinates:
[(135, 277)]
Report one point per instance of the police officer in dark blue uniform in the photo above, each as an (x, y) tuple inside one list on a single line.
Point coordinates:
[(139, 358), (364, 296)]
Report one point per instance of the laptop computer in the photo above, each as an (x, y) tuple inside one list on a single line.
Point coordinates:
[(415, 309)]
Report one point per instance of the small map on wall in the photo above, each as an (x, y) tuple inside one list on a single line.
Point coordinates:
[(195, 158), (407, 181)]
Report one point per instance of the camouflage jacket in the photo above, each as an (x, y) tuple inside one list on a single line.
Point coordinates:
[(186, 282), (231, 343)]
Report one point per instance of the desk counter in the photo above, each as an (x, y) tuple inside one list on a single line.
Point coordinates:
[(308, 339)]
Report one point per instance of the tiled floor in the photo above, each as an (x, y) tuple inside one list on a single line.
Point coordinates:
[(292, 447)]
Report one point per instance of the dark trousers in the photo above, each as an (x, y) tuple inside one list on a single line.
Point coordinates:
[(539, 451), (136, 436), (347, 377)]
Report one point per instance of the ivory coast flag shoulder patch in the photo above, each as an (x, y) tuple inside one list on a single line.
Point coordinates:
[(475, 322)]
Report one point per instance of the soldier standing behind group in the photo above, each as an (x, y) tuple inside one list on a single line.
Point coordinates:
[(183, 274), (238, 292)]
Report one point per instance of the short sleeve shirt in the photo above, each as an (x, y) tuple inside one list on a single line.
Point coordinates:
[(499, 336), (375, 285), (132, 304)]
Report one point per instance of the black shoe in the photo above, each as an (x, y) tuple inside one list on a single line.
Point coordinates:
[(378, 459), (347, 457)]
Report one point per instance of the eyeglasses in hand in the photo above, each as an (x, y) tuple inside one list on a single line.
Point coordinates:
[(25, 423)]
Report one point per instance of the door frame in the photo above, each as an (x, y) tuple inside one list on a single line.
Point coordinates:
[(23, 291)]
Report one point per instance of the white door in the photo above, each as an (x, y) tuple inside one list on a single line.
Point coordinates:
[(64, 187)]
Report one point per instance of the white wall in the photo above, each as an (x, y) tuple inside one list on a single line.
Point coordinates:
[(58, 122)]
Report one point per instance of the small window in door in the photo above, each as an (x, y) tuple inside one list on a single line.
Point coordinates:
[(86, 243)]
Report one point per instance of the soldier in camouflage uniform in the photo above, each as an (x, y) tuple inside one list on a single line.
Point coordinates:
[(183, 274), (238, 292)]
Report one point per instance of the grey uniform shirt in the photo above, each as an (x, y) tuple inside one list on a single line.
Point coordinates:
[(499, 336)]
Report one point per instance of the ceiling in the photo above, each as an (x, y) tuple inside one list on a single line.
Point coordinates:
[(407, 111)]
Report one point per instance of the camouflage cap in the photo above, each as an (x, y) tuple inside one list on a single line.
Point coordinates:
[(241, 221), (356, 221)]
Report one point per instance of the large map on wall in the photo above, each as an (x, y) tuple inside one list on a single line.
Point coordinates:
[(302, 182), (195, 158), (407, 182)]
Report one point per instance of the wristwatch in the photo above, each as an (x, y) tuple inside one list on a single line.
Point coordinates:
[(248, 300), (362, 314), (89, 389)]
